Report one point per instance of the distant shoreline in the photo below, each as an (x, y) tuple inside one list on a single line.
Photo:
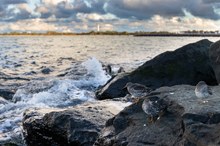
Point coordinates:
[(113, 33), (148, 35), (177, 35)]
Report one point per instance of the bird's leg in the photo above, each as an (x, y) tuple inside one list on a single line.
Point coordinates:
[(161, 113), (150, 119)]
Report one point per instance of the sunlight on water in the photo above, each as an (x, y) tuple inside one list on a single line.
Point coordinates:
[(23, 55), (64, 71)]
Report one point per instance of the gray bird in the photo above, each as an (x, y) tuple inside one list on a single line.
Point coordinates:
[(137, 90), (154, 107), (202, 90)]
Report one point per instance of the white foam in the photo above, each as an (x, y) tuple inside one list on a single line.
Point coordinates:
[(94, 68), (56, 93)]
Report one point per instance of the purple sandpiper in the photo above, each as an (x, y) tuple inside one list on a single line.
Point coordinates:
[(203, 90), (154, 107), (137, 90)]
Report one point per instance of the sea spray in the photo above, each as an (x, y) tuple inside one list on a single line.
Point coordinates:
[(94, 68), (50, 93)]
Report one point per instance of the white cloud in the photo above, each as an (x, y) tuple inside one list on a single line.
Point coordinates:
[(120, 15), (176, 24), (95, 16), (52, 2), (36, 25)]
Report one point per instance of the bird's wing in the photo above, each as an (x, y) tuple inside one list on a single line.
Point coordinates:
[(206, 89), (138, 87)]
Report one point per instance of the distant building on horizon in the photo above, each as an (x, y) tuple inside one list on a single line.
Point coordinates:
[(98, 28)]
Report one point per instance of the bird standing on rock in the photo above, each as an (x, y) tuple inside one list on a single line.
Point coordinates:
[(137, 90), (154, 107), (203, 90)]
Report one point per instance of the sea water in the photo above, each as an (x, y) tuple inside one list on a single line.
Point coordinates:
[(76, 69)]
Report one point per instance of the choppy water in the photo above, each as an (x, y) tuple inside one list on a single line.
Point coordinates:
[(76, 65)]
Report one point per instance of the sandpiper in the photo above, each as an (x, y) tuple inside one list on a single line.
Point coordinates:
[(154, 107), (137, 90), (203, 90)]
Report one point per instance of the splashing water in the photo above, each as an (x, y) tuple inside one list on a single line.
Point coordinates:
[(50, 93), (94, 68)]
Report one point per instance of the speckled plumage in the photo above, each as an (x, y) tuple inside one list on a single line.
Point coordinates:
[(154, 107), (137, 90)]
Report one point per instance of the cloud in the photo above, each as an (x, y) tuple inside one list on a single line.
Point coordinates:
[(33, 25), (146, 9), (66, 9), (203, 9), (13, 10), (121, 15), (211, 1), (8, 2), (95, 17), (176, 24)]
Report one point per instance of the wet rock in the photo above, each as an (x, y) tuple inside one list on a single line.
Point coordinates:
[(78, 126), (17, 65), (186, 65), (46, 71), (33, 62), (214, 54), (6, 93), (187, 122), (30, 73)]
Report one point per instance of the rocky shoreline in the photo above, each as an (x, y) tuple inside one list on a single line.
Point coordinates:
[(173, 75)]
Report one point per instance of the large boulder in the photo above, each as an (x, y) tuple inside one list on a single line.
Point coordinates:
[(186, 65), (187, 122), (214, 54), (78, 126)]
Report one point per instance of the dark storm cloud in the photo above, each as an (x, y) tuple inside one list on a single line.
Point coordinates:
[(7, 2), (211, 1), (130, 9), (203, 9), (98, 6), (20, 14), (9, 14), (145, 9), (70, 9)]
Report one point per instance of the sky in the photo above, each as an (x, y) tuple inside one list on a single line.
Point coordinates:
[(110, 15)]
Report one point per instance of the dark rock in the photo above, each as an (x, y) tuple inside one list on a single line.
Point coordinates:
[(46, 70), (199, 133), (6, 93), (133, 129), (30, 73), (187, 65), (33, 62), (78, 126), (214, 54), (17, 65), (187, 122)]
